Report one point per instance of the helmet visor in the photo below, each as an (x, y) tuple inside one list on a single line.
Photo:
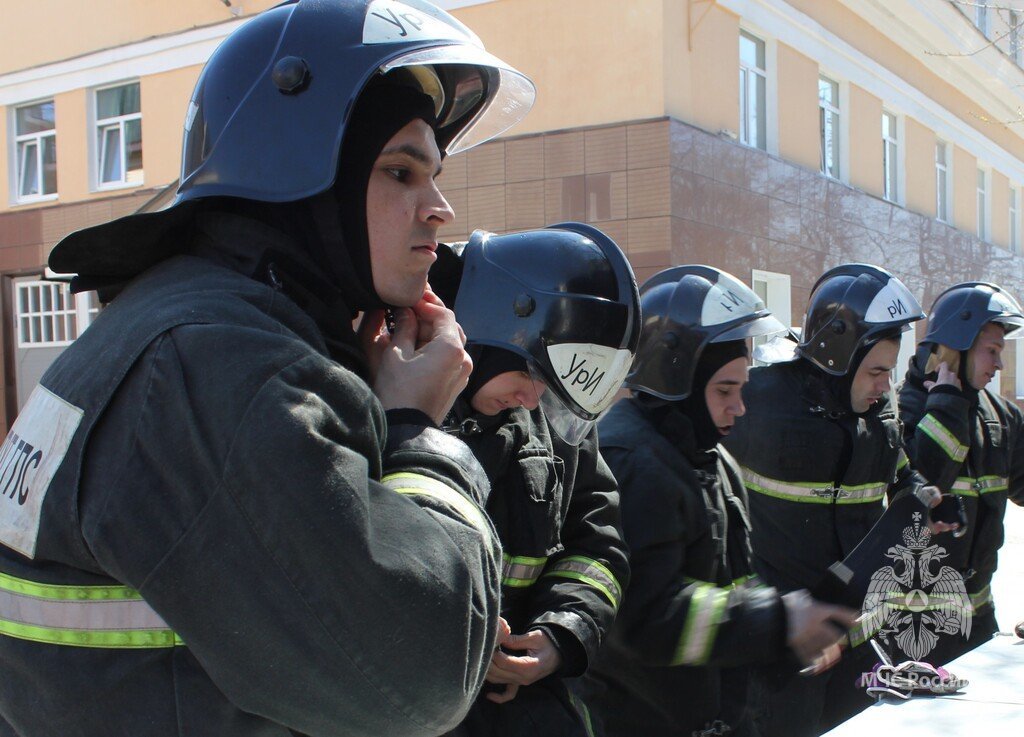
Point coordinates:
[(569, 426), (474, 90)]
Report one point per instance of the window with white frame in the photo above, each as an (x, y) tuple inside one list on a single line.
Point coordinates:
[(753, 85), (890, 157), (942, 183), (828, 109), (1014, 230), (46, 314), (982, 205), (774, 290), (35, 142), (118, 136)]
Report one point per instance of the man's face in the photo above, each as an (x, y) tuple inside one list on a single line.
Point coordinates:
[(872, 379), (508, 389), (404, 209), (724, 394), (986, 355)]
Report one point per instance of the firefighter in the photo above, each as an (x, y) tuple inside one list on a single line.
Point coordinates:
[(552, 322), (819, 449), (693, 614), (237, 517), (966, 439)]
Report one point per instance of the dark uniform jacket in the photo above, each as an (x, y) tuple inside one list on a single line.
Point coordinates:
[(816, 473), (690, 612), (556, 509), (973, 448), (235, 541)]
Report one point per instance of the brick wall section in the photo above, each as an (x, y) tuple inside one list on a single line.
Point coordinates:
[(669, 193)]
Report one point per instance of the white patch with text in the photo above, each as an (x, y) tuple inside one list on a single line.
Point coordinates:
[(29, 459), (590, 373)]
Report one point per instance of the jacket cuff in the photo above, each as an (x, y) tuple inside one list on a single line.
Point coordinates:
[(575, 637), (574, 655), (420, 448)]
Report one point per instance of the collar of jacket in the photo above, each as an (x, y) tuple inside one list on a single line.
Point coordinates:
[(270, 256), (677, 428)]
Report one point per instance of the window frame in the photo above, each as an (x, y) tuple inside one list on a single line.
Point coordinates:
[(19, 140), (1013, 234), (744, 101), (98, 140), (982, 206), (826, 109), (891, 159), (1014, 19), (943, 195)]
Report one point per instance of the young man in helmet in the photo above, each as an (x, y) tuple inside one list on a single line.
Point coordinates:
[(552, 321), (966, 439), (222, 530), (819, 449), (692, 622)]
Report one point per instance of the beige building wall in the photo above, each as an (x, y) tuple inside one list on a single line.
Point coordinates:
[(70, 109), (74, 27), (919, 164), (165, 101), (799, 122), (965, 202), (865, 129), (608, 65), (702, 82)]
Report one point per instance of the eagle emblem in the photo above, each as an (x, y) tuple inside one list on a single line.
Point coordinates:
[(916, 599)]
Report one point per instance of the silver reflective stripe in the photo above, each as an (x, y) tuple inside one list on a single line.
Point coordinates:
[(702, 620), (591, 572), (943, 438), (981, 598), (813, 492), (519, 571), (416, 484), (85, 616), (967, 486)]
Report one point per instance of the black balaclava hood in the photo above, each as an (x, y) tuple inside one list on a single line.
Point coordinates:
[(488, 362), (381, 111), (695, 405), (322, 246), (839, 387)]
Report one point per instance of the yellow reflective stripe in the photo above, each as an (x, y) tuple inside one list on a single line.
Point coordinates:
[(80, 616), (416, 484), (519, 571), (591, 572), (903, 460), (740, 582), (967, 486), (945, 439), (813, 492), (584, 713), (982, 597), (702, 620)]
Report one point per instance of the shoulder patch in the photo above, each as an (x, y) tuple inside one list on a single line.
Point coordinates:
[(29, 459)]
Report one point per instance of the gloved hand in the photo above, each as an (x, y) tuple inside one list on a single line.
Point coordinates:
[(815, 630)]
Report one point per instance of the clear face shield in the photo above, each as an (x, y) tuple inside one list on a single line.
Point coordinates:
[(462, 79), (589, 377)]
